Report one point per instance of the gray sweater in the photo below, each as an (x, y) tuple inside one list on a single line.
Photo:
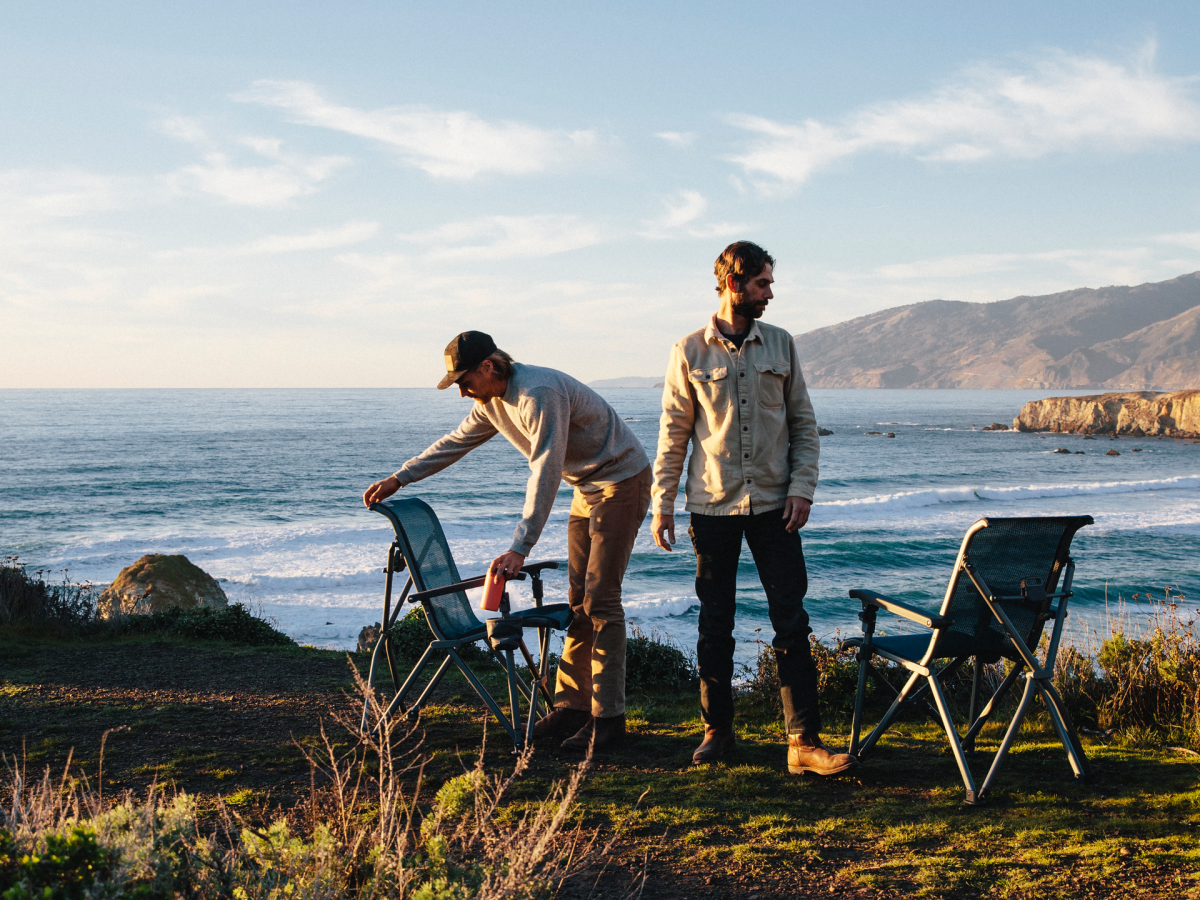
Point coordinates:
[(564, 428)]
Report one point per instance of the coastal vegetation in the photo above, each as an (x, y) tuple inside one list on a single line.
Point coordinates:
[(157, 763)]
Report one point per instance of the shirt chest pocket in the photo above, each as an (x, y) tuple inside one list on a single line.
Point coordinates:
[(771, 379), (711, 386)]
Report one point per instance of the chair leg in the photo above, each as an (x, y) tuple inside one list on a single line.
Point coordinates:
[(952, 735), (976, 673), (856, 720), (886, 721), (362, 725), (398, 699), (990, 707), (1013, 727), (513, 702), (433, 683), (1066, 729), (484, 695)]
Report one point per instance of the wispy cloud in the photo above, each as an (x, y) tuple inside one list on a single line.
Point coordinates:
[(1059, 102), (30, 194), (677, 138), (287, 176), (446, 144), (680, 218), (506, 237), (322, 239)]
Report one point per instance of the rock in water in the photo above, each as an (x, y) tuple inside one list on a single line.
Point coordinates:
[(823, 432), (1113, 453), (158, 581), (369, 637), (1135, 413)]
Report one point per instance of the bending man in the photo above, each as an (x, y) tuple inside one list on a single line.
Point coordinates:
[(735, 392), (568, 433)]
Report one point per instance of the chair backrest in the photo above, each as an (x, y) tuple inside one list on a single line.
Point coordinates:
[(1003, 552), (431, 565)]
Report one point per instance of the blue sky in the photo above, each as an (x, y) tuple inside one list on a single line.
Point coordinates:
[(320, 195)]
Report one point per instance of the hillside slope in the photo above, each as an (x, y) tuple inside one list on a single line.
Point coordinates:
[(1122, 338)]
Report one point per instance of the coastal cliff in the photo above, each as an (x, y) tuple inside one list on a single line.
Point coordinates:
[(1135, 413)]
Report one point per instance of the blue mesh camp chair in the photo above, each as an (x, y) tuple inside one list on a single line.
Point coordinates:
[(1002, 592), (420, 548)]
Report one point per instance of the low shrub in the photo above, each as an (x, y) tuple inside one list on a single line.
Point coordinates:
[(654, 664), (837, 679), (30, 600), (235, 624)]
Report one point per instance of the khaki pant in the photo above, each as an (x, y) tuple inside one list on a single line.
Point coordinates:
[(600, 534)]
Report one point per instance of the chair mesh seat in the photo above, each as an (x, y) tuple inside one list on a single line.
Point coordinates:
[(433, 567), (1004, 553)]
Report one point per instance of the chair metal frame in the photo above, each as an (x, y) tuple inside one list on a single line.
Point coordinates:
[(401, 557), (1037, 674)]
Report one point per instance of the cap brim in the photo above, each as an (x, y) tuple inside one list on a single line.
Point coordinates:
[(451, 378)]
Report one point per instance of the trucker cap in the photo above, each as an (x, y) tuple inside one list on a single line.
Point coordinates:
[(464, 353)]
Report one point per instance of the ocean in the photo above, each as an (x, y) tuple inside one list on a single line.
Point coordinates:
[(262, 489)]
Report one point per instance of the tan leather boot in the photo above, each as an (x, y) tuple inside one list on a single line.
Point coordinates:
[(561, 719), (806, 753), (597, 734), (718, 741)]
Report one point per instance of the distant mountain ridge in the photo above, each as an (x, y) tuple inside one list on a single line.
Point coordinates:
[(1117, 338)]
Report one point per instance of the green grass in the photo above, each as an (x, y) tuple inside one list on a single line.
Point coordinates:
[(226, 722)]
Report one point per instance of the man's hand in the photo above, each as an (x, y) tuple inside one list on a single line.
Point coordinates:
[(660, 523), (508, 564), (795, 513), (380, 490)]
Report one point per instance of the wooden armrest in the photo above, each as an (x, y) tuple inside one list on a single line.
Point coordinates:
[(870, 598)]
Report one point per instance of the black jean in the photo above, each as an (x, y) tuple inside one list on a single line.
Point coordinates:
[(780, 561)]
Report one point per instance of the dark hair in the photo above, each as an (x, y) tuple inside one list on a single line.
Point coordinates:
[(742, 260), (502, 362)]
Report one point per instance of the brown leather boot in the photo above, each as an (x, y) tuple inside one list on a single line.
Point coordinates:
[(597, 734), (560, 719), (718, 741), (806, 753)]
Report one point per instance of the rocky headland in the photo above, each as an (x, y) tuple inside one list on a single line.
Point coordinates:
[(1134, 413)]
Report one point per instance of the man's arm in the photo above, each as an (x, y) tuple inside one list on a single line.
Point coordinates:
[(675, 429), (804, 447), (474, 430), (547, 416)]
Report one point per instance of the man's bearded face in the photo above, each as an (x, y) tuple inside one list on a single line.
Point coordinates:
[(755, 294)]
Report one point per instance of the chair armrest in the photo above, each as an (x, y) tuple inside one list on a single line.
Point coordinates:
[(477, 581), (870, 598), (534, 568)]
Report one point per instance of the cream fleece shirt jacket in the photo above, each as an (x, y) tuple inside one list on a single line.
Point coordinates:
[(566, 430), (748, 418)]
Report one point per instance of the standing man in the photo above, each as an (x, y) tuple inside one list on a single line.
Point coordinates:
[(568, 433), (735, 392)]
